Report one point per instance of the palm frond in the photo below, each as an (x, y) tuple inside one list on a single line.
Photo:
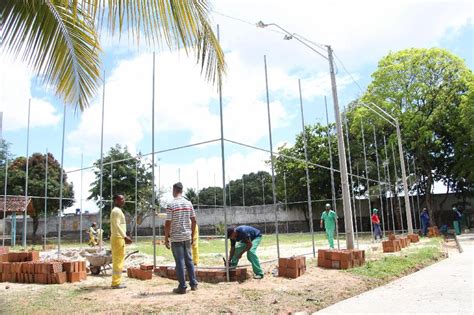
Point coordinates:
[(176, 23), (58, 39)]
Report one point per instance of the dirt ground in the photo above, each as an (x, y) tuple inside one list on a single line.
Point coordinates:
[(316, 289)]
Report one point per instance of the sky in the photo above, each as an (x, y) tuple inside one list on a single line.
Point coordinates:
[(187, 107)]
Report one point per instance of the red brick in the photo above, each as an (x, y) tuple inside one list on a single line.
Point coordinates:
[(283, 262), (346, 264), (391, 237), (335, 264), (33, 255), (73, 277), (146, 267), (4, 258), (61, 277), (347, 256), (83, 275), (68, 266), (292, 263), (292, 273), (4, 250)]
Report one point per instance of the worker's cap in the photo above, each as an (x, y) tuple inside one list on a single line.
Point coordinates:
[(454, 209), (375, 210), (94, 224), (328, 205)]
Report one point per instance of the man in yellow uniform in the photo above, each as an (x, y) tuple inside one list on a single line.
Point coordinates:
[(92, 234), (118, 239), (195, 246)]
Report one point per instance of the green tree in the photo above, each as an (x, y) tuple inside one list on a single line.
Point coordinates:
[(60, 38), (123, 174), (430, 92), (36, 180), (210, 196)]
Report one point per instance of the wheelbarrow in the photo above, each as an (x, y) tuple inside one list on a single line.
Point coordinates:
[(101, 263)]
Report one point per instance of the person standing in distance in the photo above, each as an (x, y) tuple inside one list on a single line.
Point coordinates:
[(118, 239), (180, 227), (329, 218)]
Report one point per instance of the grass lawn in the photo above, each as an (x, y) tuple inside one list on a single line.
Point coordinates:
[(398, 264)]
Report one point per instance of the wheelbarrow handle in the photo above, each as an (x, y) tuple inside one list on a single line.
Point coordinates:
[(129, 254)]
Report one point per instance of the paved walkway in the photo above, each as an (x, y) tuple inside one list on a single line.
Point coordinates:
[(443, 288)]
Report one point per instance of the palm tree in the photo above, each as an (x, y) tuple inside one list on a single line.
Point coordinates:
[(59, 39)]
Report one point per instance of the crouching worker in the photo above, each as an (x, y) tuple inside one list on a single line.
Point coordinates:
[(118, 239), (248, 239)]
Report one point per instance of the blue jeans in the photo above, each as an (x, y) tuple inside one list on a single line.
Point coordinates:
[(377, 231), (182, 256), (424, 227)]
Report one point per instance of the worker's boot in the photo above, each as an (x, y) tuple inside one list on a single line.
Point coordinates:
[(179, 291)]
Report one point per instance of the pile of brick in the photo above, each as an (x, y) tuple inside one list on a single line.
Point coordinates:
[(395, 244), (433, 231), (206, 275), (340, 258), (292, 267), (25, 267), (414, 238), (3, 250), (145, 272)]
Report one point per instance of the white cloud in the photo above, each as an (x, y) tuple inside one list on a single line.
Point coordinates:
[(88, 178), (15, 92)]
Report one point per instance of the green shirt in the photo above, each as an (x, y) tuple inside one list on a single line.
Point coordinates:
[(329, 219)]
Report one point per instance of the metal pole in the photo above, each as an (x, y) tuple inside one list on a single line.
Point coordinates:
[(46, 200), (412, 202), (263, 200), (26, 176), (61, 182), (272, 164), (101, 181), (197, 188), (159, 193), (221, 115), (354, 205), (153, 197), (286, 203), (111, 184), (346, 198), (333, 190), (5, 186), (359, 201), (215, 192), (230, 196), (179, 174), (308, 183), (380, 183), (80, 203), (243, 192), (404, 179), (367, 181), (389, 182), (136, 200), (398, 197)]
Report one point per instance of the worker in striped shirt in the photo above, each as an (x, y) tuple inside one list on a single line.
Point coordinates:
[(180, 227)]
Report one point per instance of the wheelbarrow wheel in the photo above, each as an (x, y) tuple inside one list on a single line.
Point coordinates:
[(95, 270)]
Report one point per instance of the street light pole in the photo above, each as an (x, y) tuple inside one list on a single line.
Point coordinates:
[(346, 200), (346, 197)]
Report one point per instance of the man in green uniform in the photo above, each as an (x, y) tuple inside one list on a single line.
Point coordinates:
[(329, 218)]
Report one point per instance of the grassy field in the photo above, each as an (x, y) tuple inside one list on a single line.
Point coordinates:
[(411, 259)]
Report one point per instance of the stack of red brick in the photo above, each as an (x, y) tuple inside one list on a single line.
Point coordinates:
[(292, 267), (24, 267), (395, 245), (414, 238), (340, 258), (433, 231), (145, 272), (206, 275)]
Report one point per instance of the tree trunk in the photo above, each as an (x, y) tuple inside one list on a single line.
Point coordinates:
[(429, 200)]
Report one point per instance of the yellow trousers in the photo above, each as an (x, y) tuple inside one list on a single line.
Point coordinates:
[(117, 245), (195, 246)]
